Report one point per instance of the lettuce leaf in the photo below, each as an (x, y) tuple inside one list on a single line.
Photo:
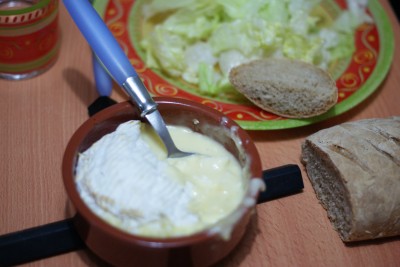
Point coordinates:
[(201, 40)]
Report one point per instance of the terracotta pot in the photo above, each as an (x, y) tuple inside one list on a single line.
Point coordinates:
[(123, 249)]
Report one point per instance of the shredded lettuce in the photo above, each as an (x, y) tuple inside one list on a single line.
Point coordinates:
[(201, 40)]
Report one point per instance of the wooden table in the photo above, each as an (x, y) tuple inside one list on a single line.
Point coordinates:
[(38, 116)]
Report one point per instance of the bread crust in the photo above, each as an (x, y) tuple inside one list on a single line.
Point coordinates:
[(288, 88), (355, 172)]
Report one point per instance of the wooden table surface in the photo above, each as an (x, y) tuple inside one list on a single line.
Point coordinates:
[(38, 116)]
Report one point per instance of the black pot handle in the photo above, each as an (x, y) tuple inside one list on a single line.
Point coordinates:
[(39, 242), (280, 182)]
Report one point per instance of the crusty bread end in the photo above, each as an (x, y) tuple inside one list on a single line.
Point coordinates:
[(354, 169)]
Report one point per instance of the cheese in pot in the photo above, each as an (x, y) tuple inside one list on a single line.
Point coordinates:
[(127, 180)]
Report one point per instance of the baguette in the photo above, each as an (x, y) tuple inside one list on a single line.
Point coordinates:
[(288, 88), (354, 169)]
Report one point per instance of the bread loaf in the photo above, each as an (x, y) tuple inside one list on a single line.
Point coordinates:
[(354, 169), (289, 88)]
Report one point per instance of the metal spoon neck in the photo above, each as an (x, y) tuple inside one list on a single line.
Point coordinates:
[(156, 121)]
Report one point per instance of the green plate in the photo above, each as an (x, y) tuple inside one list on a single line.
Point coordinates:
[(356, 77)]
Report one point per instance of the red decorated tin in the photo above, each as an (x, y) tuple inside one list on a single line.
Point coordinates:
[(29, 37)]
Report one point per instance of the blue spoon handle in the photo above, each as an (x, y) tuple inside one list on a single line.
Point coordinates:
[(102, 78), (106, 47)]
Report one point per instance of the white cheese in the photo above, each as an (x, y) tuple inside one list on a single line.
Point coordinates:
[(126, 179)]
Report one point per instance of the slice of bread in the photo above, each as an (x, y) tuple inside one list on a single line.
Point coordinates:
[(354, 169), (288, 88)]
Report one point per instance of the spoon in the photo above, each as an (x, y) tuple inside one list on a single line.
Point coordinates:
[(103, 82), (109, 52)]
